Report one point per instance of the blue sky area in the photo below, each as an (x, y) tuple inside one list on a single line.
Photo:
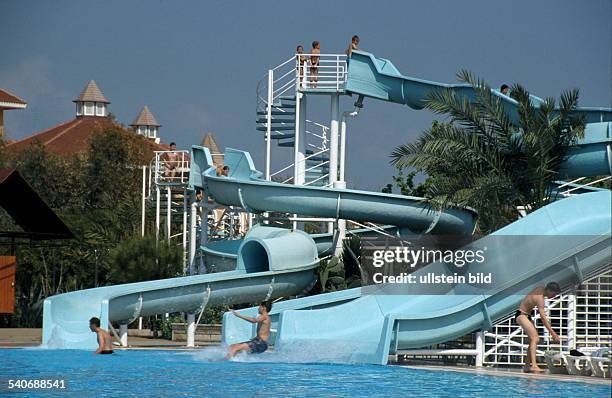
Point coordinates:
[(196, 63)]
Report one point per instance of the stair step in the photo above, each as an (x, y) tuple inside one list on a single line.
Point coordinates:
[(317, 171), (281, 105), (317, 159), (282, 136), (286, 143), (265, 120), (275, 128), (288, 97), (276, 112)]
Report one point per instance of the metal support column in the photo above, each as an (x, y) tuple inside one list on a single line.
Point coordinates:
[(299, 169), (333, 145), (191, 326), (269, 121), (186, 196), (480, 348), (169, 213), (157, 211), (204, 228), (333, 142), (193, 223), (123, 334)]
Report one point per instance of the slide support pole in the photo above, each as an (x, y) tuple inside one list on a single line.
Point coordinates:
[(190, 330), (333, 145)]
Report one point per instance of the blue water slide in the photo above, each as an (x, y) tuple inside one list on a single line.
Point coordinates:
[(245, 188), (365, 325), (378, 78), (264, 268), (564, 242)]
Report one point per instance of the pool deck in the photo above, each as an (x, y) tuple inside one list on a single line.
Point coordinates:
[(13, 338), (16, 338), (511, 372)]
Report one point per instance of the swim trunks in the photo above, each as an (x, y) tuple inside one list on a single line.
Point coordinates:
[(257, 345), (519, 313), (106, 352)]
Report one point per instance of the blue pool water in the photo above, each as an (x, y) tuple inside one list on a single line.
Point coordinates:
[(189, 373)]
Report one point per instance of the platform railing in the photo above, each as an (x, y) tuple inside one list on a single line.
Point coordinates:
[(171, 167), (321, 71)]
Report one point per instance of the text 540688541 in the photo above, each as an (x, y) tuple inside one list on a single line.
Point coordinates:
[(36, 384)]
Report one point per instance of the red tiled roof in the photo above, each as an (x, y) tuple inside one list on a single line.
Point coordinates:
[(72, 137), (6, 96)]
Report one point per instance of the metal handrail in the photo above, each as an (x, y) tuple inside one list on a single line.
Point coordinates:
[(318, 179), (567, 193), (292, 164)]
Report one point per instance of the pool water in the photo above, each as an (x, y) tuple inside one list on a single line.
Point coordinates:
[(147, 373)]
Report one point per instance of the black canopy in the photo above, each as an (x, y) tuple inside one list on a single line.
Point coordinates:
[(29, 211)]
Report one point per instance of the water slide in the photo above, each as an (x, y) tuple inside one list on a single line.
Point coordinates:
[(358, 326), (269, 263), (263, 269), (378, 78), (272, 262)]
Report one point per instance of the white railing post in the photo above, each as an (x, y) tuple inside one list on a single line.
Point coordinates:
[(185, 210), (571, 320), (269, 121), (169, 213), (157, 211), (337, 72)]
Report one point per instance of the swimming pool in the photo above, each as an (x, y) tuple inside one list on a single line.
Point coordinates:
[(184, 373)]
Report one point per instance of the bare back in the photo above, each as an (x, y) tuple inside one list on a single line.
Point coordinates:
[(105, 340), (534, 299), (263, 327)]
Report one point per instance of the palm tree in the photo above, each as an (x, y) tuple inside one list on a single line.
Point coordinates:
[(489, 158)]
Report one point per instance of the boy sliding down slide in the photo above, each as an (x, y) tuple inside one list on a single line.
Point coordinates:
[(258, 344), (523, 318)]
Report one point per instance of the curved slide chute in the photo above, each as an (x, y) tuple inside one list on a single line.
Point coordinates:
[(378, 78), (270, 263), (245, 188)]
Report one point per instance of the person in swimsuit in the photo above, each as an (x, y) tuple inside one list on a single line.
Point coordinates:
[(353, 46), (523, 318), (258, 344), (314, 63), (301, 62), (171, 161), (105, 342)]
